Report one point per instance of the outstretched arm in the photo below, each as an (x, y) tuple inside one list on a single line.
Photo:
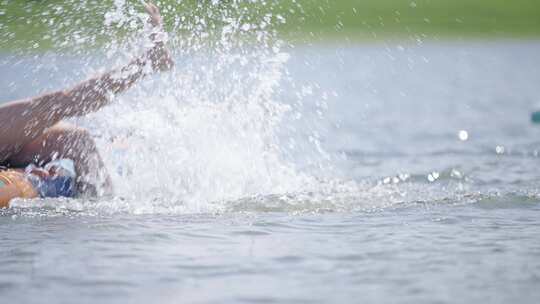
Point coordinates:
[(92, 94), (23, 121)]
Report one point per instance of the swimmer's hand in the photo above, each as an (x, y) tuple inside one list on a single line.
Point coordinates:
[(159, 55), (155, 16)]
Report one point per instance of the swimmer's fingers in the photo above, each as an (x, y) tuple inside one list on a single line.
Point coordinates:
[(159, 55), (153, 12)]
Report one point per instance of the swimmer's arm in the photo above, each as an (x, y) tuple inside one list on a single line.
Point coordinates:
[(94, 93), (24, 120)]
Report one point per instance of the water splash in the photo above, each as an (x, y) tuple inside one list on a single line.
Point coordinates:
[(213, 135), (209, 131)]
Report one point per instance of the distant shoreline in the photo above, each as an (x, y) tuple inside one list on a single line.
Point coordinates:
[(45, 26)]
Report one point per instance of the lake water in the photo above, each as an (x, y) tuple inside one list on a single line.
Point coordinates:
[(422, 187)]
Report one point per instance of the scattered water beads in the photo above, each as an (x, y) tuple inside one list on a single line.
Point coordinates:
[(207, 132), (403, 177)]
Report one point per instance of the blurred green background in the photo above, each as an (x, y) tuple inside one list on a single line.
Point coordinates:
[(44, 24)]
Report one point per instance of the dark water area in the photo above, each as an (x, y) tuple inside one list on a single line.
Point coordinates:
[(437, 135)]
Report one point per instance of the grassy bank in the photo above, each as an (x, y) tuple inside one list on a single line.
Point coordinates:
[(447, 17), (48, 23)]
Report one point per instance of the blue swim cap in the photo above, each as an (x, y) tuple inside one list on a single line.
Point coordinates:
[(58, 186), (61, 184)]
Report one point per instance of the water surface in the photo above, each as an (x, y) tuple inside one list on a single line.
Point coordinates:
[(413, 212)]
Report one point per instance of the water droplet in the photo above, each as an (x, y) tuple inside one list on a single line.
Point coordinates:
[(456, 174), (463, 135), (246, 27), (404, 176), (433, 176)]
